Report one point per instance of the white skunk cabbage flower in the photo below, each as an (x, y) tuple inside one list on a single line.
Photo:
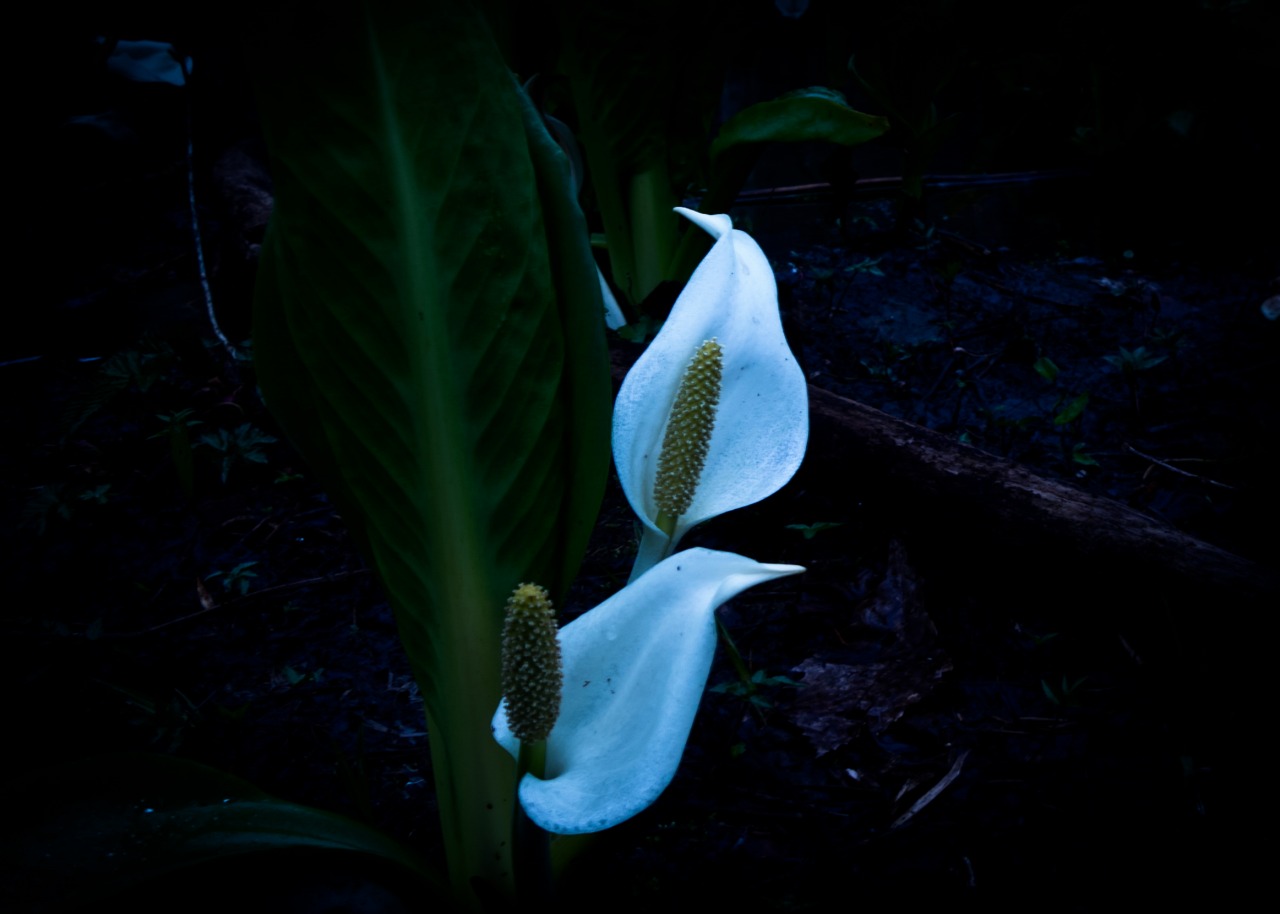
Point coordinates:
[(715, 414), (634, 671)]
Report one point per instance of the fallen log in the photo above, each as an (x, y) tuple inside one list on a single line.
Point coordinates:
[(968, 492), (967, 497)]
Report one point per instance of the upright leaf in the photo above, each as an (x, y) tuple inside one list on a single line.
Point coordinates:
[(433, 344), (641, 98)]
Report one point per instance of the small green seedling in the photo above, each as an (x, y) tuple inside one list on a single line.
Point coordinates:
[(1170, 339), (96, 495), (1041, 640), (1045, 367), (136, 369), (868, 221), (867, 265), (1082, 457), (1072, 410), (812, 530), (178, 430), (242, 445), (750, 689), (237, 579), (139, 368), (293, 677), (1067, 695), (1001, 428), (1131, 363), (925, 234), (48, 505), (883, 366), (166, 715)]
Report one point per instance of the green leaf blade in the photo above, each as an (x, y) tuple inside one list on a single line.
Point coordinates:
[(809, 114), (423, 333)]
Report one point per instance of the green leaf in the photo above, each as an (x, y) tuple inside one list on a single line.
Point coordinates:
[(808, 114), (812, 530), (634, 89), (640, 330), (816, 113), (1072, 410), (1082, 457), (1049, 693), (774, 680), (428, 331), (1133, 361), (1046, 369), (81, 833)]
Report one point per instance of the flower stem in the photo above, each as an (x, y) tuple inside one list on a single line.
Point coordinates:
[(531, 846), (667, 524)]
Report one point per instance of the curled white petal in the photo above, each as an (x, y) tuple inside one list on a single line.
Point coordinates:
[(634, 671), (716, 226), (762, 424)]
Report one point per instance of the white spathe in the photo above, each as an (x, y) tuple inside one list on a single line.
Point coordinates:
[(634, 671), (762, 423)]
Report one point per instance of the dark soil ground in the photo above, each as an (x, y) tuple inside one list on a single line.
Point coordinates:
[(938, 716)]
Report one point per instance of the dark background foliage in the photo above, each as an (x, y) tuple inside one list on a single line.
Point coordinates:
[(1088, 722)]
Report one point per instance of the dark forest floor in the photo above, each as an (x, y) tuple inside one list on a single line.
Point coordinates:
[(929, 725)]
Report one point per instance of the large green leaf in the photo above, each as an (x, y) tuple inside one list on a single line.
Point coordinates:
[(809, 114), (816, 113), (79, 834), (428, 330)]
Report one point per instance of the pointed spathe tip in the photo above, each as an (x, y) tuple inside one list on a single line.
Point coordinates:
[(715, 226)]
